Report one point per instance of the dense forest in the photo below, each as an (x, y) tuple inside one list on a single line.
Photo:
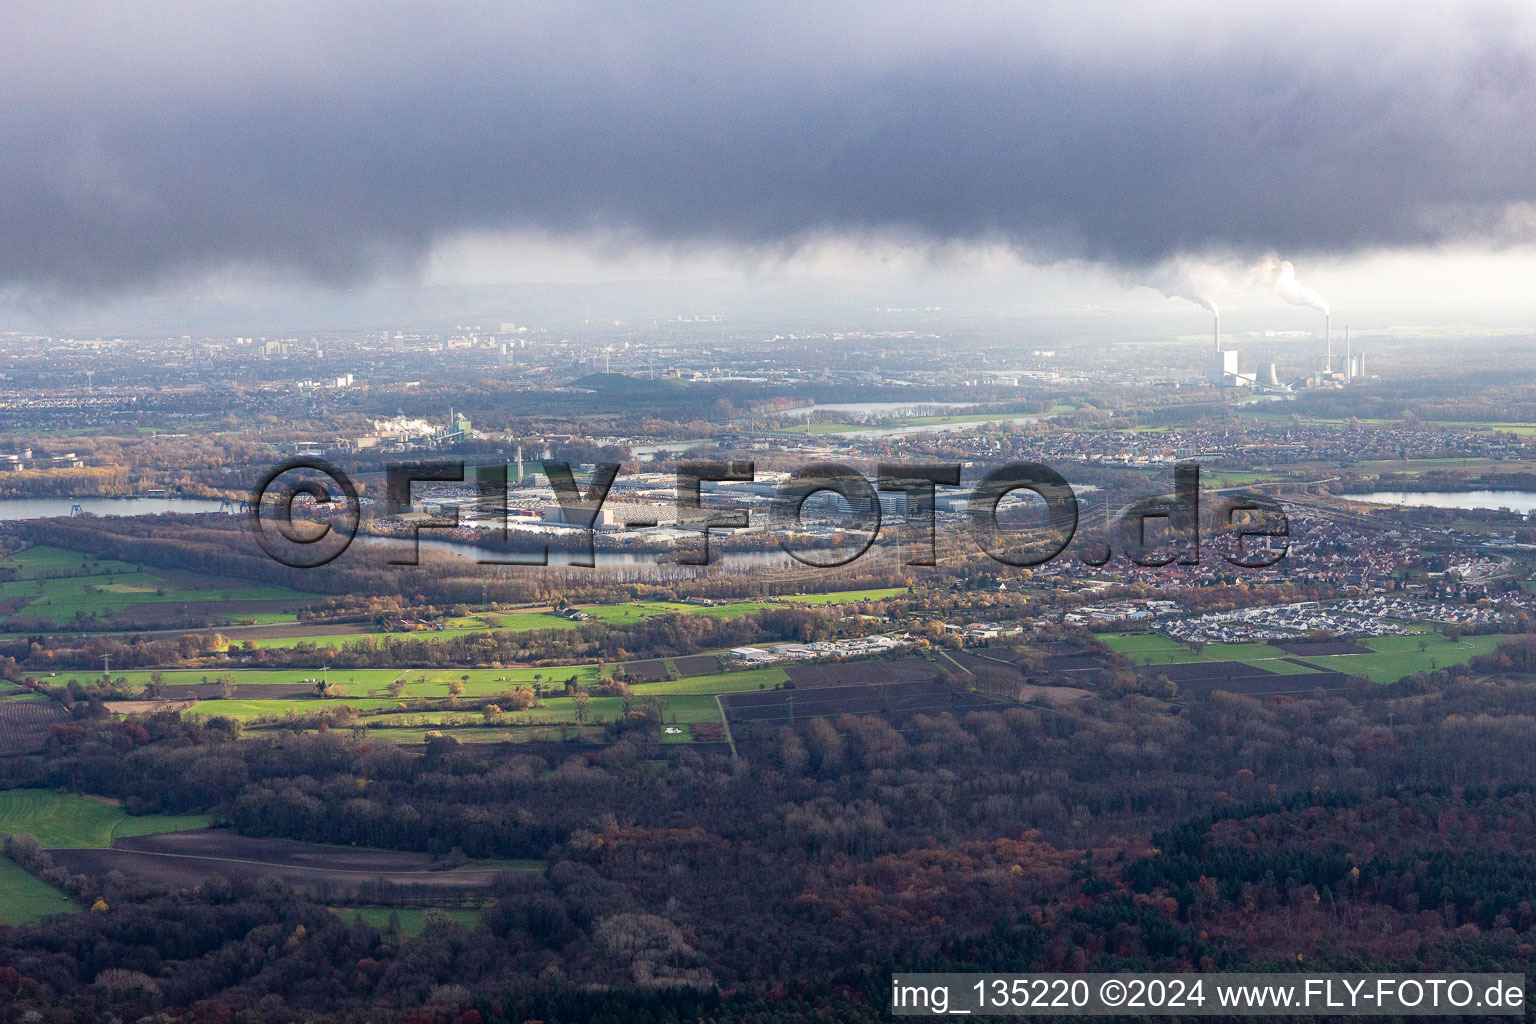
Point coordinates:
[(1390, 828)]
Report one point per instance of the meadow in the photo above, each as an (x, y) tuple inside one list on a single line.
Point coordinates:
[(68, 821), (1390, 658), (686, 700), (1399, 656), (846, 596), (1155, 649), (624, 614), (62, 586), (25, 898)]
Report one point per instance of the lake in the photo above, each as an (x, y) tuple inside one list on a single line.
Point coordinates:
[(1523, 502), (877, 408)]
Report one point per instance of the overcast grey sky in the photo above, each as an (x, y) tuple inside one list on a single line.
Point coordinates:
[(152, 144)]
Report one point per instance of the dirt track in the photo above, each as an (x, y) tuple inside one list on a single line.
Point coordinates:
[(189, 858)]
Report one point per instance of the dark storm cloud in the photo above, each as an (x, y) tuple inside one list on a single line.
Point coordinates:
[(336, 146)]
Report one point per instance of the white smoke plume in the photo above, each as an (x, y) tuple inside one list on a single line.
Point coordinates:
[(403, 425), (1197, 281), (1281, 276)]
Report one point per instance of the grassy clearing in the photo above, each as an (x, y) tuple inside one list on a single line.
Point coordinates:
[(626, 614), (65, 584), (846, 596), (1153, 649), (70, 821), (58, 561), (527, 622), (1398, 656), (677, 708), (1391, 657), (632, 612), (358, 679), (412, 920), (483, 682), (685, 735), (369, 693), (25, 898), (247, 710), (722, 682), (452, 629)]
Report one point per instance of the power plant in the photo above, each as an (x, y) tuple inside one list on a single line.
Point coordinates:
[(1226, 374)]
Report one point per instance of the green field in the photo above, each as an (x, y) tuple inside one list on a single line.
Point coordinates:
[(241, 676), (720, 682), (246, 710), (631, 612), (483, 682), (690, 699), (687, 700), (527, 622), (452, 628), (101, 587), (1392, 657), (1153, 649), (411, 918), (69, 821), (1399, 656), (24, 897), (627, 614), (57, 561), (679, 707), (846, 596)]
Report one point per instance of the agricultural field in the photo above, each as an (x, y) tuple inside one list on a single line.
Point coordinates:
[(451, 629), (686, 700), (25, 898), (65, 821), (676, 708), (66, 586), (846, 596), (526, 622), (297, 677), (25, 721), (70, 821), (1154, 649), (188, 858), (719, 682), (626, 614), (631, 612), (484, 682), (1394, 657), (1382, 659), (896, 701)]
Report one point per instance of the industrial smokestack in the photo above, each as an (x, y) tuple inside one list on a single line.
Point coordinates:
[(1216, 328), (1349, 358), (1327, 343)]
